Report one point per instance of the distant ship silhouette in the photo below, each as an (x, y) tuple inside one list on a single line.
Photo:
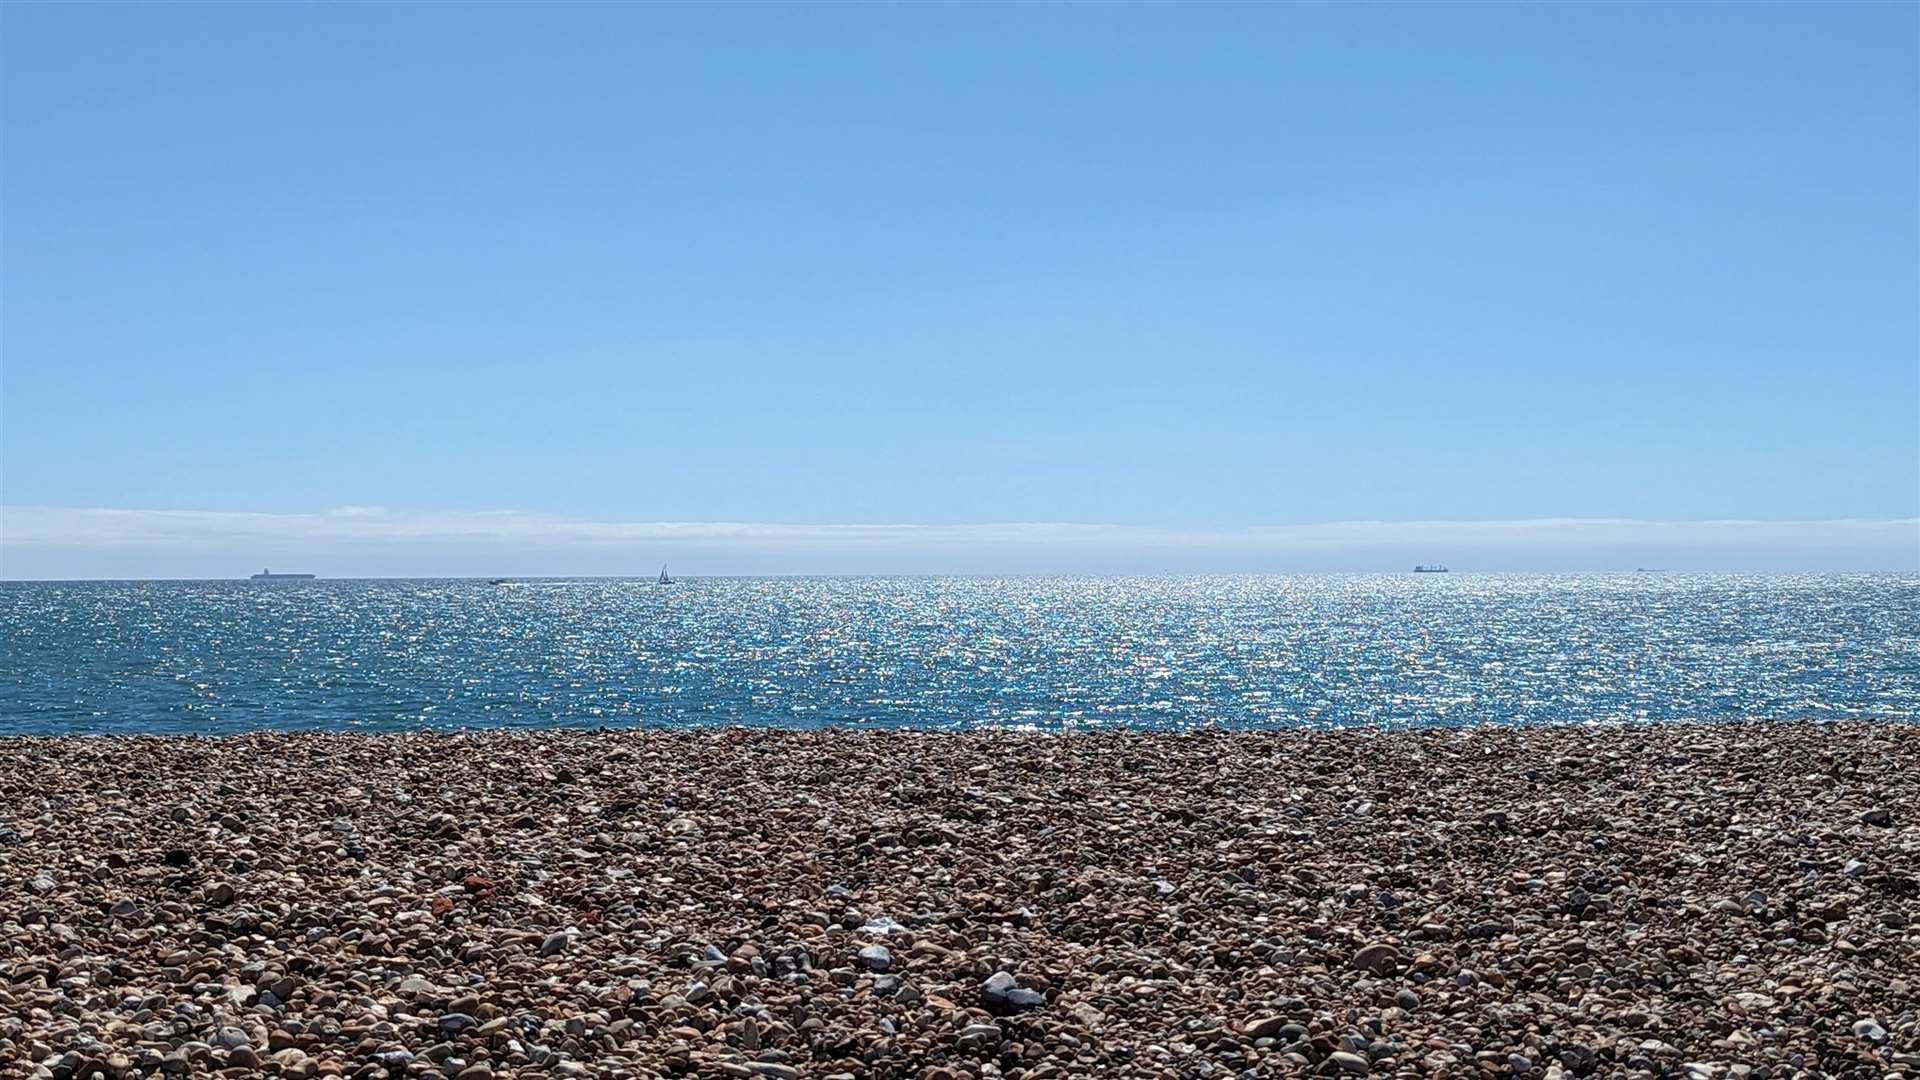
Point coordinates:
[(268, 575)]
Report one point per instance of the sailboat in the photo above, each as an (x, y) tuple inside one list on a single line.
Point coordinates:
[(664, 579)]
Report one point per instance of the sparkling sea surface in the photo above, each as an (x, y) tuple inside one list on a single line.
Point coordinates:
[(1389, 650)]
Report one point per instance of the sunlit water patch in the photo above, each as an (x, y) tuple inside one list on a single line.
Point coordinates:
[(939, 652)]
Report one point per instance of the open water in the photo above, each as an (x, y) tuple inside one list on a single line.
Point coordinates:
[(1395, 650)]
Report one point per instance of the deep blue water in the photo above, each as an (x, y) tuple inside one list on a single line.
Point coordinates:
[(1045, 652)]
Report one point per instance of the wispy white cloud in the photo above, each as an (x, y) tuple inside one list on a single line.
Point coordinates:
[(66, 527)]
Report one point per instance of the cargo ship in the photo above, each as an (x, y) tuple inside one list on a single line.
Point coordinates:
[(1430, 568), (268, 575)]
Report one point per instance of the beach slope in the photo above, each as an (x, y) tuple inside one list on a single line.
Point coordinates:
[(1702, 901)]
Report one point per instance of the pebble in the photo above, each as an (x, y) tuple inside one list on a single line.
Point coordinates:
[(994, 991), (1378, 958), (1001, 992), (1265, 1027), (1023, 998), (454, 1023), (980, 1035)]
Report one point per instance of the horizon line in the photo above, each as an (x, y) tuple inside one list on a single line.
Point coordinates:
[(357, 541), (526, 579)]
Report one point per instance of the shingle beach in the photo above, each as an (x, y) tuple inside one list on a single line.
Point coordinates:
[(1738, 901)]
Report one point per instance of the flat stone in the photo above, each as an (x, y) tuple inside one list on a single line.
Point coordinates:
[(455, 1022), (1022, 999), (1379, 958), (1263, 1027), (984, 1034)]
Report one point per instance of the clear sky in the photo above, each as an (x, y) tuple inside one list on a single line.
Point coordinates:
[(1152, 267)]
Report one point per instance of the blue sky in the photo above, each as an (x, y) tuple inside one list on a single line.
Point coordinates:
[(1158, 268)]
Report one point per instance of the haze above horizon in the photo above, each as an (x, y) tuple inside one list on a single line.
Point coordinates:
[(1194, 280)]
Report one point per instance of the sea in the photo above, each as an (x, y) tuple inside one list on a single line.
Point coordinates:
[(1400, 650)]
